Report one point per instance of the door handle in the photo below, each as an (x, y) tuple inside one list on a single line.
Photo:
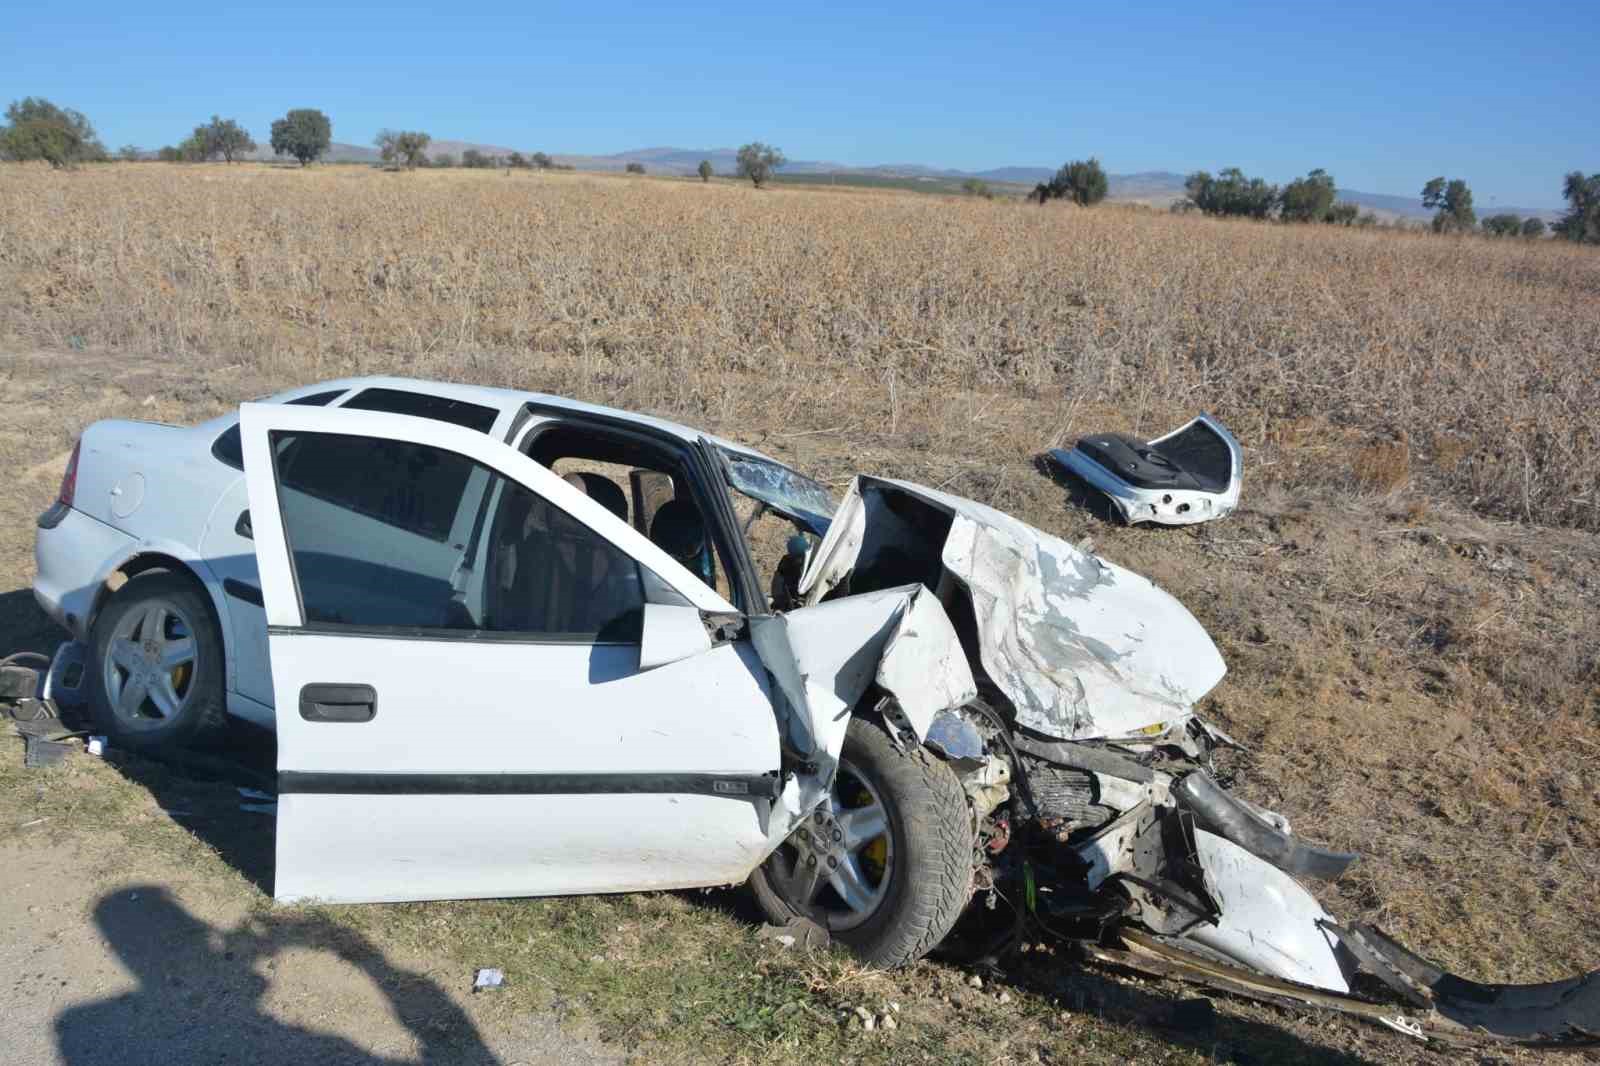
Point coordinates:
[(243, 526), (338, 703)]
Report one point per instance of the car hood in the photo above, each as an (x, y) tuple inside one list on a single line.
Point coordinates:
[(1083, 648)]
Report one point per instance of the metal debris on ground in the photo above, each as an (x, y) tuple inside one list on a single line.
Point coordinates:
[(1191, 475), (487, 978)]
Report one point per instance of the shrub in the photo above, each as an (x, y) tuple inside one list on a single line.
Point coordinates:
[(977, 187), (407, 148), (1310, 199), (704, 170), (634, 168), (1230, 193), (1081, 181), (1503, 225)]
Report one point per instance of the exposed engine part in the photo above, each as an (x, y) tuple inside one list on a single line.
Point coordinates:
[(1066, 796), (987, 785), (1085, 757)]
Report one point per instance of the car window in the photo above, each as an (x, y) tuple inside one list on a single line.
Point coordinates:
[(226, 448), (421, 405), (409, 486), (361, 515)]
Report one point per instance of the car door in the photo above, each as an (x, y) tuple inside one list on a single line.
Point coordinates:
[(487, 684)]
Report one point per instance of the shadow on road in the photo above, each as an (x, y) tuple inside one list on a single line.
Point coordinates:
[(202, 995)]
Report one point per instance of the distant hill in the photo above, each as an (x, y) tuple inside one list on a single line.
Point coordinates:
[(1155, 187)]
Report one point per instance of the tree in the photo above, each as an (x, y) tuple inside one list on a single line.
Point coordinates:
[(1533, 227), (1081, 181), (1582, 221), (476, 159), (444, 159), (540, 160), (170, 154), (304, 133), (1503, 225), (129, 153), (758, 162), (192, 149), (1231, 194), (224, 137), (37, 129), (977, 187), (517, 161), (704, 170), (1310, 199), (403, 148), (634, 168), (1451, 202)]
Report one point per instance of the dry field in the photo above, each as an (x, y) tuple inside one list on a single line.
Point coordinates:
[(1408, 599)]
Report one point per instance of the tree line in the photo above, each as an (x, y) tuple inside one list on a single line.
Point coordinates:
[(36, 129)]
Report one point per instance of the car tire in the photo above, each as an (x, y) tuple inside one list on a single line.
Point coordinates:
[(930, 854), (183, 610)]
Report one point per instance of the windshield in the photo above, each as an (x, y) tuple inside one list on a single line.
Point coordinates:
[(791, 494)]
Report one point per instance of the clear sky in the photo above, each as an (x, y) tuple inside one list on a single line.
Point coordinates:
[(1384, 96)]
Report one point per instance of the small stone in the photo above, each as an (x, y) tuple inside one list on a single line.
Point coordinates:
[(786, 940), (889, 1022), (975, 981), (866, 1018), (1004, 998), (894, 1005)]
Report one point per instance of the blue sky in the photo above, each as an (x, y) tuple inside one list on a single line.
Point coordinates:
[(1383, 95)]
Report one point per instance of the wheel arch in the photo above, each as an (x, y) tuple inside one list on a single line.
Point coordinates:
[(146, 561)]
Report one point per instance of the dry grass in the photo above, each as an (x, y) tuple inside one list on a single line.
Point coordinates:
[(1486, 353), (1416, 676)]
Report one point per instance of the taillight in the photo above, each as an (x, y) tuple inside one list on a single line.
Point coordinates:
[(69, 480)]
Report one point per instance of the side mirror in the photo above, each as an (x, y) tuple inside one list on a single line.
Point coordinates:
[(670, 634)]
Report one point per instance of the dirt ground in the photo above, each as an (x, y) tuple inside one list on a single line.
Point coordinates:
[(1413, 683)]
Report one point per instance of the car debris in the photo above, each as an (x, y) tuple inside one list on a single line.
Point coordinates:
[(487, 978), (1110, 801), (1188, 476)]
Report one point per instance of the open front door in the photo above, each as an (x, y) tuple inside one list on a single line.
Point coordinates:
[(455, 638)]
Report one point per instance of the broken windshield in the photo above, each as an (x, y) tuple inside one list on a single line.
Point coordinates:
[(791, 494)]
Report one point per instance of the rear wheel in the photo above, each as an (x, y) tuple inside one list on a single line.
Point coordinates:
[(886, 864), (156, 676)]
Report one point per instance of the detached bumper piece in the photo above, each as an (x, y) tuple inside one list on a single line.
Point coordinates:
[(1191, 475)]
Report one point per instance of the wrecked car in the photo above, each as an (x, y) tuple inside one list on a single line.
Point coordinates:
[(514, 645)]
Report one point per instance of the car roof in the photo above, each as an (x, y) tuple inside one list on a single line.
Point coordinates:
[(502, 399)]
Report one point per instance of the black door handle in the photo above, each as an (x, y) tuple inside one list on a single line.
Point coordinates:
[(338, 703), (243, 526)]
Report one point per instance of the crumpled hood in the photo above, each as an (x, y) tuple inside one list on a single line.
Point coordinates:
[(1083, 648)]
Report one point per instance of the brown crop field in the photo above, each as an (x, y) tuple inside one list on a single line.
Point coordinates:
[(1408, 597)]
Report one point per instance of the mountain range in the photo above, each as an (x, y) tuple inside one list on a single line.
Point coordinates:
[(1156, 187)]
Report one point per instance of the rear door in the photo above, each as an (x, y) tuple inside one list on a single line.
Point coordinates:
[(455, 641)]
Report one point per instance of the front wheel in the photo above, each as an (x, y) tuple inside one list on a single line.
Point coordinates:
[(886, 864)]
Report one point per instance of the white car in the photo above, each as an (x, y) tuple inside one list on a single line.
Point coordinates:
[(514, 645)]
